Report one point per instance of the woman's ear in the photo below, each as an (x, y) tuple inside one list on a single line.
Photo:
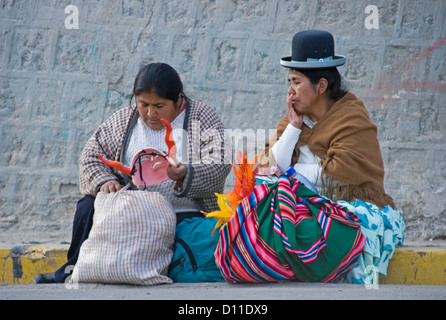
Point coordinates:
[(322, 85), (180, 101)]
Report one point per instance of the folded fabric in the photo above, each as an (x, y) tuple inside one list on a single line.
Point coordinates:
[(284, 231)]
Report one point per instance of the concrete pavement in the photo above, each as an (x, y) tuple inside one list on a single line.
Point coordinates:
[(414, 272), (223, 292)]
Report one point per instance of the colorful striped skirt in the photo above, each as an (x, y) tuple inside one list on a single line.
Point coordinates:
[(284, 231)]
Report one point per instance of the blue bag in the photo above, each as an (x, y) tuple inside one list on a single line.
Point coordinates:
[(193, 258)]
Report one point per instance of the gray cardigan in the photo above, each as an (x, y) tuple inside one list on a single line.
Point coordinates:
[(208, 149)]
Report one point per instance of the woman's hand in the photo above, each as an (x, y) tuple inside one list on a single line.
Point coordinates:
[(111, 186), (177, 173), (294, 118)]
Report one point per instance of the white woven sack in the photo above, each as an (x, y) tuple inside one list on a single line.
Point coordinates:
[(131, 240)]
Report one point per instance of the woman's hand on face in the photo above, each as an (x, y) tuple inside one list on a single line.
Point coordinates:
[(111, 186), (294, 118), (177, 173)]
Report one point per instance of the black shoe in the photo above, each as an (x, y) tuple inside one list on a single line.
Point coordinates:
[(44, 278)]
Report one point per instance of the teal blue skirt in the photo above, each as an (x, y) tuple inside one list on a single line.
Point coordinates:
[(384, 230)]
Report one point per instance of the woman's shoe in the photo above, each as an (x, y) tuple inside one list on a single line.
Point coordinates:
[(44, 278)]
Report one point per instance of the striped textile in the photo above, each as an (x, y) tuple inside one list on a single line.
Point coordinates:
[(284, 231), (131, 240)]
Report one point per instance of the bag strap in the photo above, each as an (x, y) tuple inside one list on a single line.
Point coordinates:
[(190, 254)]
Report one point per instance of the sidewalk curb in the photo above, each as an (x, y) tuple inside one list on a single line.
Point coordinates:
[(18, 265), (408, 266), (417, 266)]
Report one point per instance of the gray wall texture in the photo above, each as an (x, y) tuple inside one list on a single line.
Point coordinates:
[(59, 81)]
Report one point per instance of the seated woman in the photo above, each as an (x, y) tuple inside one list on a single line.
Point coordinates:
[(202, 170), (328, 137)]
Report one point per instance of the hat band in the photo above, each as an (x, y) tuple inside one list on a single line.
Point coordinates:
[(330, 58)]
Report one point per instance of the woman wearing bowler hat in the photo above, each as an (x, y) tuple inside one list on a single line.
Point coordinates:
[(327, 137)]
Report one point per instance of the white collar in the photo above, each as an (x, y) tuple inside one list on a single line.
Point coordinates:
[(307, 120)]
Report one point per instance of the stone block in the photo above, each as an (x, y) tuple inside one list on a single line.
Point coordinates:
[(88, 103), (437, 67), (47, 104), (399, 67), (440, 109), (115, 52), (116, 100), (54, 149), (13, 9), (388, 117), (30, 49), (292, 17), (18, 145), (361, 69), (264, 62), (150, 47), (8, 215), (226, 59), (174, 15), (421, 20), (13, 97), (64, 188), (207, 15), (5, 44), (247, 16), (430, 126), (27, 197), (76, 52), (185, 56), (340, 17), (137, 9), (103, 12), (219, 99)]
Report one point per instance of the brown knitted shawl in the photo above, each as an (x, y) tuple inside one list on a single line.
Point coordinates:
[(346, 141)]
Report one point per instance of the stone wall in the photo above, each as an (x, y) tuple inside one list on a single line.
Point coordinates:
[(61, 75)]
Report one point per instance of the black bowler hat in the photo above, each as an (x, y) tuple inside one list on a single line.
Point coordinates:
[(312, 49)]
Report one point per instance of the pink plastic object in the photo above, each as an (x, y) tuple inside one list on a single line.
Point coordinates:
[(149, 167)]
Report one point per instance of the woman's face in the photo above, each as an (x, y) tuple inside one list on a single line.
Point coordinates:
[(152, 108), (305, 96)]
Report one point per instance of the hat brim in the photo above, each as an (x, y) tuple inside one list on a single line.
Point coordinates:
[(336, 62)]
